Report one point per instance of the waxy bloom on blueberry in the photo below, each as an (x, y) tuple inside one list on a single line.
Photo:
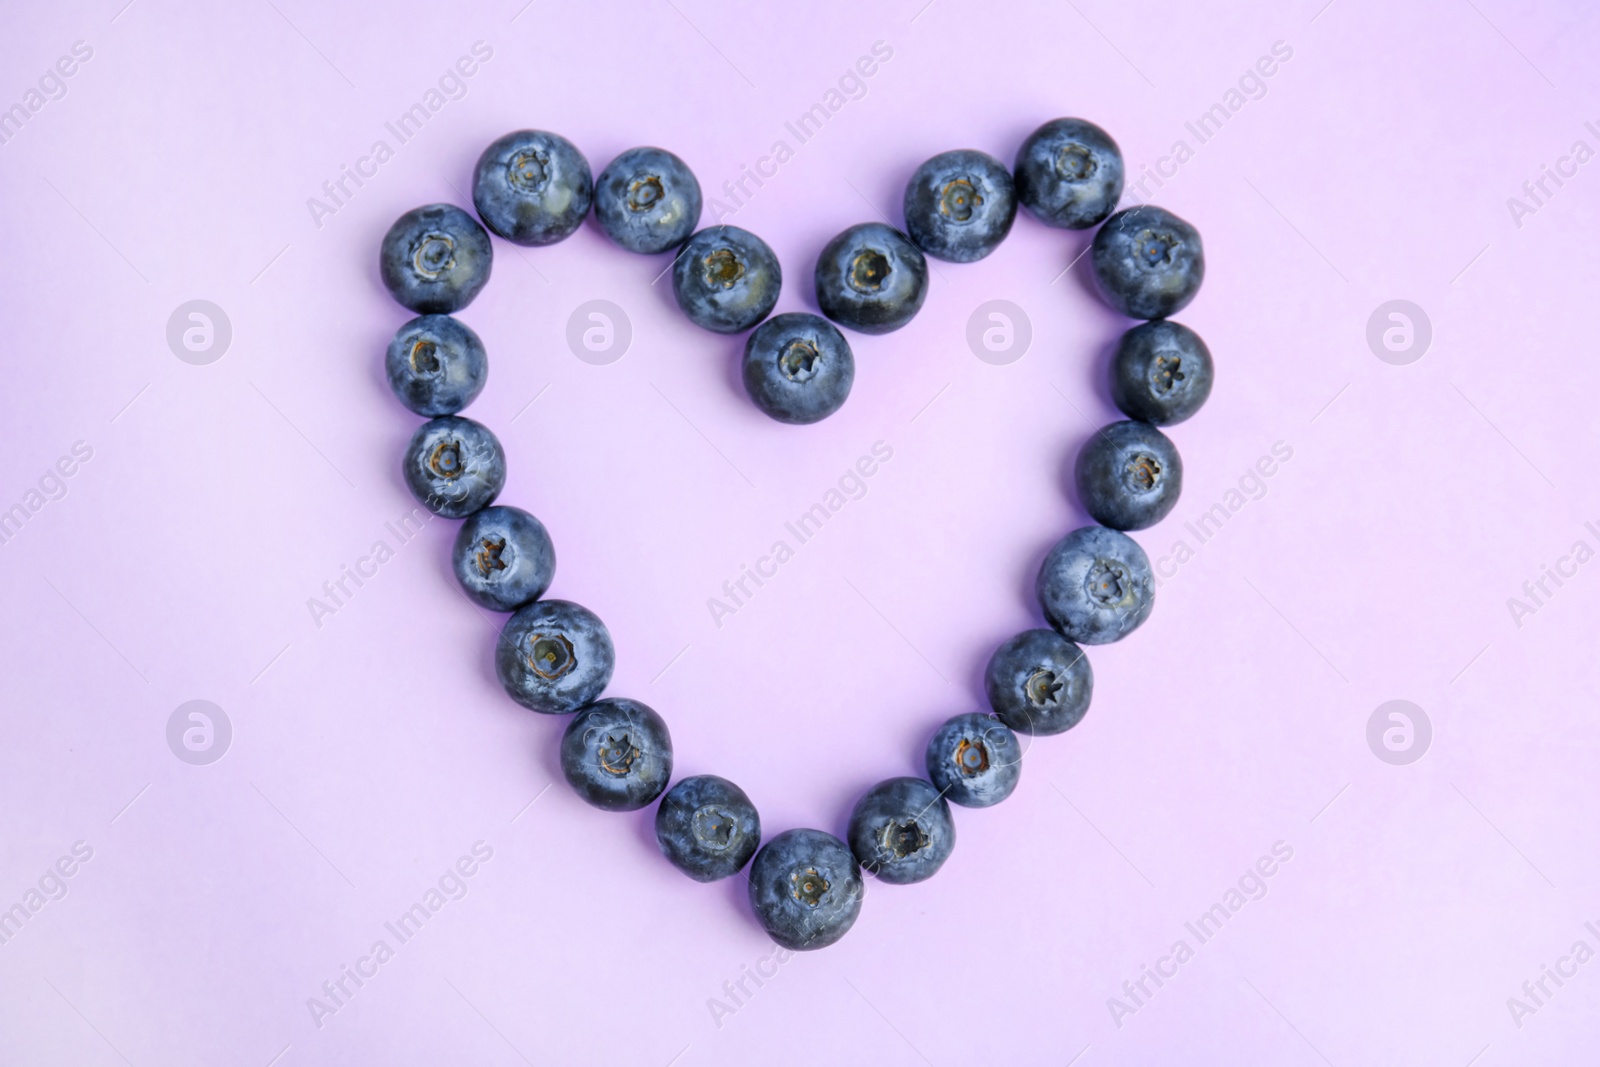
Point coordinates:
[(647, 200), (1096, 586), (901, 830), (1038, 682), (871, 278), (617, 754), (1161, 373), (1069, 174), (454, 466), (435, 259), (974, 760), (726, 279), (707, 827), (554, 656), (959, 205), (1129, 475), (798, 368), (1148, 262), (532, 187), (503, 558), (806, 889), (436, 365)]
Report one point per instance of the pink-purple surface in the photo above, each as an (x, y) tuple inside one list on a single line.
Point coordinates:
[(372, 747)]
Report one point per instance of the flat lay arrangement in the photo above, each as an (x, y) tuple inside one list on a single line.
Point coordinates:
[(556, 657)]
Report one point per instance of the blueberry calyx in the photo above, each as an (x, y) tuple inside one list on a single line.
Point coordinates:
[(550, 656), (435, 254), (713, 827), (528, 170), (487, 558), (971, 757), (722, 268), (1106, 583), (645, 193), (904, 838), (869, 270), (808, 886), (616, 753), (958, 199), (425, 358), (1075, 162), (799, 360), (1043, 688), (446, 458)]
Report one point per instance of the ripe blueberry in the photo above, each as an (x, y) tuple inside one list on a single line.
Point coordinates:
[(1038, 682), (726, 279), (1069, 174), (707, 827), (503, 558), (554, 656), (901, 830), (1096, 586), (798, 367), (806, 889), (532, 187), (959, 205), (1129, 475), (435, 259), (647, 200), (454, 466), (1148, 262), (617, 754), (436, 365), (974, 760), (1161, 373), (871, 278)]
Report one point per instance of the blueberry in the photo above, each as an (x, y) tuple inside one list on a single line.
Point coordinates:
[(806, 889), (901, 830), (1069, 174), (454, 466), (436, 365), (726, 279), (798, 367), (1129, 476), (647, 200), (959, 205), (707, 827), (554, 656), (617, 754), (974, 760), (1148, 262), (1161, 373), (503, 558), (1038, 682), (871, 278), (532, 187), (434, 259), (1095, 586)]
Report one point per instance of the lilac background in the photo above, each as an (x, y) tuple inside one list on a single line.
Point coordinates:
[(368, 754)]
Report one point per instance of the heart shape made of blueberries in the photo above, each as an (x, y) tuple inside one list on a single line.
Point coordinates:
[(556, 657)]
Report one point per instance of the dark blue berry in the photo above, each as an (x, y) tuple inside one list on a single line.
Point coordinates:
[(1069, 174), (959, 205), (806, 889), (726, 279), (647, 200), (1161, 373), (503, 558), (1096, 586), (532, 187), (1129, 476), (1038, 682), (434, 259), (554, 656), (436, 365), (798, 367), (974, 760), (1148, 262), (617, 754), (707, 827), (454, 466), (871, 278), (901, 830)]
